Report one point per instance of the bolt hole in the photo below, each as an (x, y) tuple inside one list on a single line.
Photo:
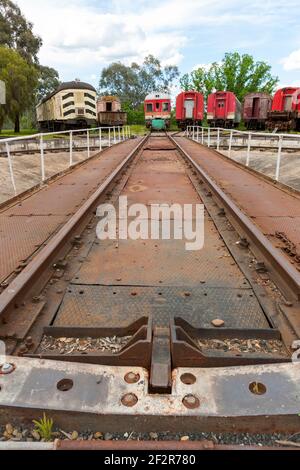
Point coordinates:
[(81, 292), (257, 388), (65, 385), (188, 379)]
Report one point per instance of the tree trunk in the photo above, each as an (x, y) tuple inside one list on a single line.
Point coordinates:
[(17, 124)]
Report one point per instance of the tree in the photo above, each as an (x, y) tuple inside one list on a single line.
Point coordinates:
[(240, 74), (21, 80), (16, 32), (133, 83), (48, 81)]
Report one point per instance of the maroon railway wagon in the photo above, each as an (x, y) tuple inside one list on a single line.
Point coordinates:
[(189, 109), (256, 107), (223, 109)]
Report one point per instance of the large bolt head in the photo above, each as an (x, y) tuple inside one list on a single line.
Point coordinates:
[(7, 368)]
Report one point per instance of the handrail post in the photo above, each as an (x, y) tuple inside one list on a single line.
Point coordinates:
[(218, 140), (198, 134), (123, 133), (109, 137), (11, 170), (280, 142), (71, 148), (230, 143), (88, 143), (208, 137), (193, 132), (115, 135), (42, 158), (202, 135), (249, 149)]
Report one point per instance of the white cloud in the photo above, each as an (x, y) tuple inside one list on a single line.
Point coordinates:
[(82, 36), (292, 61)]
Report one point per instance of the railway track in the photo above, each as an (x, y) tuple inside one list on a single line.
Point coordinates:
[(144, 334)]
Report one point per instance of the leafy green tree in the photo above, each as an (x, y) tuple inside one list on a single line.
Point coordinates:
[(48, 81), (16, 32), (21, 80), (240, 74), (133, 83)]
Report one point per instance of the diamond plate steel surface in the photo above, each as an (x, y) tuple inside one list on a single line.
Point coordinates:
[(100, 306), (161, 262), (288, 225), (256, 196), (28, 224), (20, 237)]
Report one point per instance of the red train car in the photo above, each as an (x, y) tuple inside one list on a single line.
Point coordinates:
[(285, 111), (189, 109), (255, 110), (158, 111), (223, 109)]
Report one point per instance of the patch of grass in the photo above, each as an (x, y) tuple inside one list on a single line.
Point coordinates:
[(44, 427), (23, 132)]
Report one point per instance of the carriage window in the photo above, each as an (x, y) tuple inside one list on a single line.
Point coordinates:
[(149, 108), (109, 107), (157, 106), (166, 107)]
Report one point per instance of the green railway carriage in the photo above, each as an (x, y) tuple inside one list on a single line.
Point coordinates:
[(71, 106)]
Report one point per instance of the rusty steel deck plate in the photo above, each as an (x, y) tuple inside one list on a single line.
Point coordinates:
[(257, 197), (94, 394), (20, 237), (28, 223), (119, 306)]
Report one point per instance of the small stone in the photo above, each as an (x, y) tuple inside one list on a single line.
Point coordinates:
[(36, 435), (126, 435), (153, 435), (218, 323), (9, 429), (74, 436), (185, 438), (98, 435), (108, 437)]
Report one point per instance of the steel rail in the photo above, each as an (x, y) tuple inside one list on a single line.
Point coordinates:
[(285, 272), (23, 282)]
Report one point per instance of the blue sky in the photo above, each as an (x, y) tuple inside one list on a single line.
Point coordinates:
[(83, 36)]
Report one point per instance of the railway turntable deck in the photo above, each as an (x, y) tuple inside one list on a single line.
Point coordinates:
[(146, 333)]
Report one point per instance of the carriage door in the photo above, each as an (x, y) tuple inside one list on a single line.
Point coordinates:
[(189, 109), (288, 100), (221, 111), (255, 108)]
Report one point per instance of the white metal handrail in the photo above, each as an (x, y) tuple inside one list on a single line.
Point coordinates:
[(194, 133), (115, 135)]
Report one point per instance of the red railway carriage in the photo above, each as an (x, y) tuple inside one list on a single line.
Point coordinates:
[(285, 111), (255, 110), (158, 111), (223, 109), (189, 109)]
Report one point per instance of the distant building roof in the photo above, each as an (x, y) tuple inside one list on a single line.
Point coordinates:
[(75, 85)]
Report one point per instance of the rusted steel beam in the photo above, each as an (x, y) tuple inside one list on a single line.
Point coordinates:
[(284, 272), (161, 367), (24, 281), (78, 396), (136, 446)]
